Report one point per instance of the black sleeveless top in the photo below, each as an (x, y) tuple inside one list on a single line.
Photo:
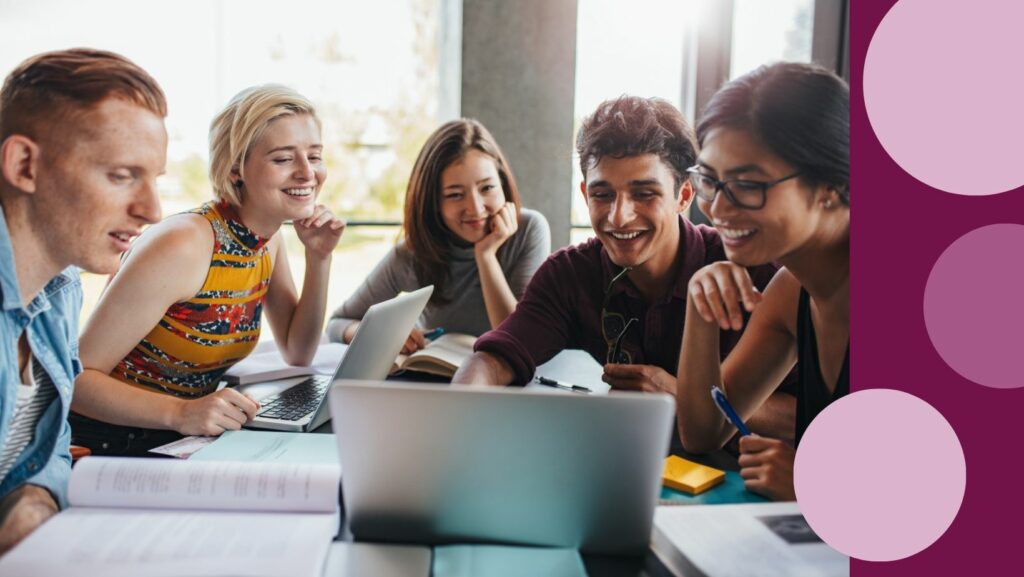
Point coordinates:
[(812, 395)]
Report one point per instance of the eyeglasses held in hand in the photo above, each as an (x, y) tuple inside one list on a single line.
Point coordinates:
[(614, 326)]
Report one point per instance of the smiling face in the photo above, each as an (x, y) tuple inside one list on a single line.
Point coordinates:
[(471, 194), (634, 211), (283, 173), (97, 183), (790, 215)]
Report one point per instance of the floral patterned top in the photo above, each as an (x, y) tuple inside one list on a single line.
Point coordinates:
[(197, 340)]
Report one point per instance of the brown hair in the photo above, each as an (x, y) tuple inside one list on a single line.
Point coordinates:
[(633, 126), (427, 238), (49, 89)]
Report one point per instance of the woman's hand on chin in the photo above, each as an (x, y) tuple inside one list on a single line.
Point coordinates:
[(503, 224), (320, 232)]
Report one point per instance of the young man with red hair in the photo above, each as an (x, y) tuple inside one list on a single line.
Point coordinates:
[(82, 140)]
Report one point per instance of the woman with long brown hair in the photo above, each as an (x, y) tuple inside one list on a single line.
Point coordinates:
[(465, 232)]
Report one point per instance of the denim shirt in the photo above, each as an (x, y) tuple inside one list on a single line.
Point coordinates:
[(51, 324)]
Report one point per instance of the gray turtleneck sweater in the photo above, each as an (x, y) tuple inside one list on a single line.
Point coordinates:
[(519, 258)]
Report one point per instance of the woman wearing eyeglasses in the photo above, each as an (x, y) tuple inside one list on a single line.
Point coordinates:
[(773, 176), (465, 233)]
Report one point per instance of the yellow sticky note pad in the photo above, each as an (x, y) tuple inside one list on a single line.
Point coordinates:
[(689, 477)]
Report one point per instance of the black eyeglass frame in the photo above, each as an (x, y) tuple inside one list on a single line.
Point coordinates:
[(615, 353), (723, 186)]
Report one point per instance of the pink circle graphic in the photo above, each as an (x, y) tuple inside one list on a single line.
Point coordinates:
[(880, 475), (972, 307), (942, 95)]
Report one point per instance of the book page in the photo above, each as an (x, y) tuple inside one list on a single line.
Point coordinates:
[(448, 351), (759, 540), (174, 484), (147, 543)]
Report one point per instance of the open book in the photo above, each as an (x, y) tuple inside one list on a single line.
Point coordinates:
[(441, 357), (163, 517)]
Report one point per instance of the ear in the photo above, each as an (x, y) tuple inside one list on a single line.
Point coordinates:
[(236, 175), (583, 190), (685, 196), (19, 162), (830, 197)]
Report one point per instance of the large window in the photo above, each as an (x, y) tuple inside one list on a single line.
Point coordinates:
[(371, 69), (671, 49), (633, 48), (764, 32)]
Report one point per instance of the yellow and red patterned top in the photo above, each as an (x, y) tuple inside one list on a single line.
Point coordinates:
[(197, 340)]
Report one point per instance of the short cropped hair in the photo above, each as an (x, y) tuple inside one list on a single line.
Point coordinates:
[(634, 126), (49, 89), (239, 126), (801, 112), (427, 238)]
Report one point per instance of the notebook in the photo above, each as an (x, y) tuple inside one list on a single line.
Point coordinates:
[(378, 341), (442, 356), (689, 477)]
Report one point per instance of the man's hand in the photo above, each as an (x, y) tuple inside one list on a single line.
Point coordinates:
[(766, 466), (646, 378), (21, 512)]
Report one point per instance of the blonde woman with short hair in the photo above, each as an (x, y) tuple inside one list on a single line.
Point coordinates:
[(187, 301)]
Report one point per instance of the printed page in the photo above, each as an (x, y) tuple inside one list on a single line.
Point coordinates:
[(173, 484), (760, 540), (125, 543)]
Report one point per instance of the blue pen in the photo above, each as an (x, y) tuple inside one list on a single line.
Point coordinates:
[(728, 411), (431, 335)]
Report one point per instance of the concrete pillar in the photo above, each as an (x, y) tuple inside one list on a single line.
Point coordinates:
[(518, 79)]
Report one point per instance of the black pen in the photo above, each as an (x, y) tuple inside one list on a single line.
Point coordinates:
[(560, 385)]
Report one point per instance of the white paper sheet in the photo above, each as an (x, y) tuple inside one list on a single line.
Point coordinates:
[(172, 484), (149, 543), (752, 540)]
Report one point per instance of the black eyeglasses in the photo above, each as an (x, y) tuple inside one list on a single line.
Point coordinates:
[(749, 194), (614, 327)]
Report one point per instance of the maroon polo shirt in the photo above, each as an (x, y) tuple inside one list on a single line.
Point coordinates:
[(561, 308)]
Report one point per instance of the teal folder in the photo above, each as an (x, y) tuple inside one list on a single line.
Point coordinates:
[(271, 447), (729, 491), (501, 561)]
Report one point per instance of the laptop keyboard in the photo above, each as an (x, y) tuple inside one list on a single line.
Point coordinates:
[(296, 402)]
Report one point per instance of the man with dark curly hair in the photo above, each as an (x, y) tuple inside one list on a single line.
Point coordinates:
[(621, 296)]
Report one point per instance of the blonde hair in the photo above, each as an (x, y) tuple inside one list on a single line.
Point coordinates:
[(234, 131)]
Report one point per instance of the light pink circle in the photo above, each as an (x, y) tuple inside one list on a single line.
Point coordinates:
[(880, 475), (972, 306), (943, 95)]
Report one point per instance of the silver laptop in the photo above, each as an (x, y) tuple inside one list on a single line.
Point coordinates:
[(380, 337), (437, 464)]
